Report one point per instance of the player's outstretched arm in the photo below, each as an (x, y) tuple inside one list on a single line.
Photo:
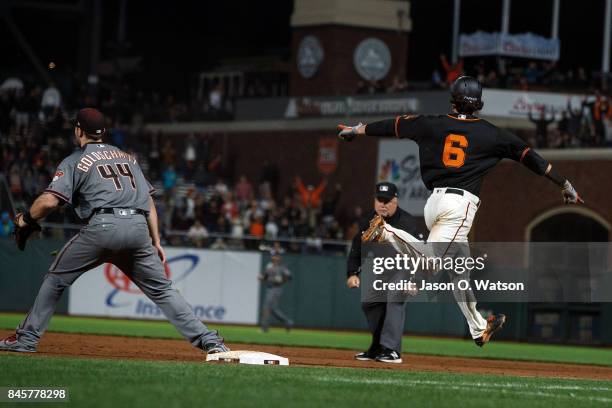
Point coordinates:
[(44, 205), (26, 223), (539, 165), (153, 223), (406, 126)]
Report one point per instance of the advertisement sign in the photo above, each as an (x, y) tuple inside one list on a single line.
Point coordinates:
[(398, 163), (328, 155), (478, 44), (221, 286), (347, 106), (517, 104), (525, 45)]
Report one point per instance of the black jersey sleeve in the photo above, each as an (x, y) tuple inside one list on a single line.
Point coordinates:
[(403, 127), (511, 146), (413, 127)]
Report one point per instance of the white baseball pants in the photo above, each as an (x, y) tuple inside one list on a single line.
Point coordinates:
[(449, 219)]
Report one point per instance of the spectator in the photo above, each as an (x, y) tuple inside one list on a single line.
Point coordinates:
[(6, 226), (542, 127), (219, 244), (452, 71), (237, 228), (170, 177), (562, 128), (190, 205), (190, 156), (169, 154), (257, 229), (51, 99), (532, 75), (271, 229), (398, 85), (221, 188), (198, 234), (223, 227), (310, 196), (215, 98), (436, 79), (244, 190)]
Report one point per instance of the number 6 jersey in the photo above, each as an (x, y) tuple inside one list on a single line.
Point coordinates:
[(99, 175), (458, 150)]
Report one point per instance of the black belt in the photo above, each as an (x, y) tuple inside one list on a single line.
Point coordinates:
[(130, 211), (454, 191)]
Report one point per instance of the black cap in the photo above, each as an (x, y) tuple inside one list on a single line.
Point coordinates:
[(386, 190), (91, 121)]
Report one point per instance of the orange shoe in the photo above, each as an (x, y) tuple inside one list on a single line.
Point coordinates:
[(494, 323), (374, 231)]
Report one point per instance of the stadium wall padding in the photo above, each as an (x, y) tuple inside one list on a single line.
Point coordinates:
[(317, 297), (21, 273)]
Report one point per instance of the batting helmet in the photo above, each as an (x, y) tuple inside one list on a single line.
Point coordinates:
[(466, 92)]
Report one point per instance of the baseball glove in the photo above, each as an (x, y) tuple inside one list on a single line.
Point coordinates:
[(23, 233)]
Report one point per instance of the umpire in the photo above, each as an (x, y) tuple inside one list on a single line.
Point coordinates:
[(385, 319)]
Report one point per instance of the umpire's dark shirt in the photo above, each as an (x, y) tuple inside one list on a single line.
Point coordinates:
[(401, 219)]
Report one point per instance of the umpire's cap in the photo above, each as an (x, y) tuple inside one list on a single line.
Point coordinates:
[(386, 190), (91, 121), (466, 94)]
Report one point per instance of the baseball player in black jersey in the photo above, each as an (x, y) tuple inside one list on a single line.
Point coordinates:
[(105, 186), (456, 151)]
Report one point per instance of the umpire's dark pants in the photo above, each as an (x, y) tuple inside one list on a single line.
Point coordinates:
[(386, 323)]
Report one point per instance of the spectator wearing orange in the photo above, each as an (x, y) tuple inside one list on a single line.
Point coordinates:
[(452, 71), (257, 228), (310, 196)]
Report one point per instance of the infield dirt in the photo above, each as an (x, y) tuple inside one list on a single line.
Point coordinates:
[(127, 348)]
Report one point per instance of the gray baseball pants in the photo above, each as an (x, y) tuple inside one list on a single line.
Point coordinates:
[(124, 241), (270, 307)]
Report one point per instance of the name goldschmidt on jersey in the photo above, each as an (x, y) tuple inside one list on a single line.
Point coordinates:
[(464, 284), (87, 160)]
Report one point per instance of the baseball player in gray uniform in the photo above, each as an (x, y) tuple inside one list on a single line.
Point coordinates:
[(107, 187), (275, 276)]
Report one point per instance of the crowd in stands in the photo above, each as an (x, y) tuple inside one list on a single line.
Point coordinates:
[(588, 124), (196, 205), (516, 74)]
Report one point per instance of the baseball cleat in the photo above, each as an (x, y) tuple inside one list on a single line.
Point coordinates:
[(374, 232), (369, 354), (494, 323), (213, 348), (389, 356), (11, 343)]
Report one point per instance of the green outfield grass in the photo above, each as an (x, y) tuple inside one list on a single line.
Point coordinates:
[(332, 339), (104, 383)]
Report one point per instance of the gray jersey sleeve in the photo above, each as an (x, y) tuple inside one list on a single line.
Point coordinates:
[(63, 184)]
